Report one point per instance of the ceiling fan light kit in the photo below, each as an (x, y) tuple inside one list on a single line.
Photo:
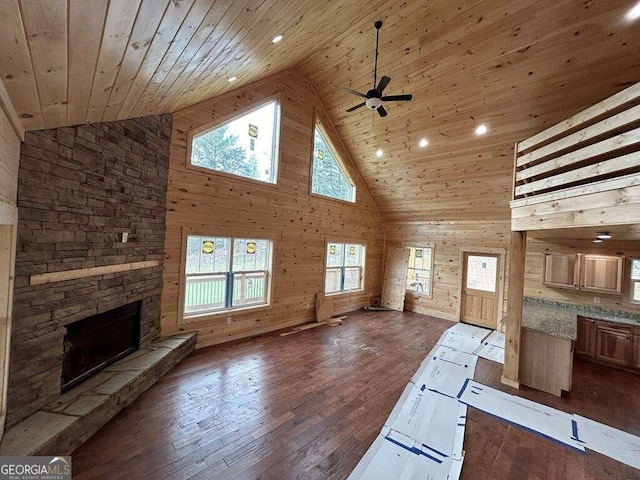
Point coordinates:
[(374, 97)]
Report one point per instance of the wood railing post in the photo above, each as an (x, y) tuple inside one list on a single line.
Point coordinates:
[(511, 372)]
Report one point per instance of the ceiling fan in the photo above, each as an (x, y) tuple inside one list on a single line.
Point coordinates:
[(374, 97)]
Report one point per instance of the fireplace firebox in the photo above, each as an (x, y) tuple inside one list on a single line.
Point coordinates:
[(96, 342)]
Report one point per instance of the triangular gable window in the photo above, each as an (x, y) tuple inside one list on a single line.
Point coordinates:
[(329, 178)]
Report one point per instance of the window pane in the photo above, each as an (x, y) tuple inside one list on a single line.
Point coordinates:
[(207, 254), (482, 273), (205, 293), (333, 280), (352, 278), (353, 255), (422, 258), (334, 254), (249, 288), (244, 146), (636, 290), (635, 269), (250, 255), (328, 178)]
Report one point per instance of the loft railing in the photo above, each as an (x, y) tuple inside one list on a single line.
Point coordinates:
[(595, 150)]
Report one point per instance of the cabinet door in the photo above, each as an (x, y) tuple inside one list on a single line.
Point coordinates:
[(602, 273), (636, 352), (561, 270), (613, 346), (586, 341)]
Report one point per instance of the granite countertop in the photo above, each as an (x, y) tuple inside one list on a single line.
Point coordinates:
[(560, 319)]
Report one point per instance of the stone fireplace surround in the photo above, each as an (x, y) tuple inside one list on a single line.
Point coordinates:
[(79, 189)]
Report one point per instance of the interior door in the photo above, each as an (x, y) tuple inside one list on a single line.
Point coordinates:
[(479, 298), (395, 278)]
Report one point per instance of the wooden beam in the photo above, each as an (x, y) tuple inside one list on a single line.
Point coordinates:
[(511, 372), (43, 278)]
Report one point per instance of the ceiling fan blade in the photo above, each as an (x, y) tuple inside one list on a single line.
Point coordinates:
[(356, 107), (353, 92), (397, 98), (382, 111), (384, 81)]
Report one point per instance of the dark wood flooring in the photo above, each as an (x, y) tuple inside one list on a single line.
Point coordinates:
[(307, 406)]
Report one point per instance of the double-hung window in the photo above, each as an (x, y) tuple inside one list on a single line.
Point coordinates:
[(246, 146), (419, 274), (224, 273), (345, 267)]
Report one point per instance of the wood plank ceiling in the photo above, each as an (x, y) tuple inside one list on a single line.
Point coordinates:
[(516, 65)]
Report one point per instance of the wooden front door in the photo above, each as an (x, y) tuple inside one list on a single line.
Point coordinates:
[(479, 296), (395, 278)]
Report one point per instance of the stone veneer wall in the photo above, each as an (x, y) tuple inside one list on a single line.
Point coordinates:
[(79, 189)]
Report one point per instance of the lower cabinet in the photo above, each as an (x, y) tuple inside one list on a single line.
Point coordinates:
[(636, 350), (608, 343)]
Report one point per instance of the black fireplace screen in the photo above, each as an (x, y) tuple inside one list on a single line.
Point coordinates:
[(96, 342)]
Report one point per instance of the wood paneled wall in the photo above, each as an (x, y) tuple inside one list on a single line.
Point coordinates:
[(533, 286), (448, 238), (298, 223)]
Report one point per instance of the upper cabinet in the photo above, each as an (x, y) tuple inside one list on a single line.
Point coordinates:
[(594, 273), (561, 270), (601, 273)]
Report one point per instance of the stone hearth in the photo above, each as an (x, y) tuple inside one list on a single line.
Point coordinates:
[(63, 425)]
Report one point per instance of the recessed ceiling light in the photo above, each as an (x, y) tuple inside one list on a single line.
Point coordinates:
[(276, 39), (634, 13), (603, 236), (481, 129), (232, 79), (379, 153), (424, 142), (597, 240)]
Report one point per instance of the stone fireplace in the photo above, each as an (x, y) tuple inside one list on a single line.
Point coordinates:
[(80, 188)]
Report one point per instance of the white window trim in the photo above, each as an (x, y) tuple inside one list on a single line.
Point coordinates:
[(196, 317), (433, 256), (277, 138), (341, 164), (363, 267)]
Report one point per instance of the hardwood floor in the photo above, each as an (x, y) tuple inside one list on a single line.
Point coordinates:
[(307, 406)]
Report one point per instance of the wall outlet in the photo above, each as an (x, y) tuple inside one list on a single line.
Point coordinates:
[(125, 237), (596, 299), (229, 320)]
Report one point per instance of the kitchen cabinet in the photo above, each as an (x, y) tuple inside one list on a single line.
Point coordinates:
[(586, 340), (561, 270), (614, 344), (608, 343), (592, 273), (600, 273), (636, 350)]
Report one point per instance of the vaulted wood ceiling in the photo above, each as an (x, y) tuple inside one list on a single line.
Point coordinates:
[(518, 66)]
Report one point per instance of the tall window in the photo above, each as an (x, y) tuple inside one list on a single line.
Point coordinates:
[(345, 267), (419, 274), (635, 280), (226, 273), (246, 146), (328, 177)]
